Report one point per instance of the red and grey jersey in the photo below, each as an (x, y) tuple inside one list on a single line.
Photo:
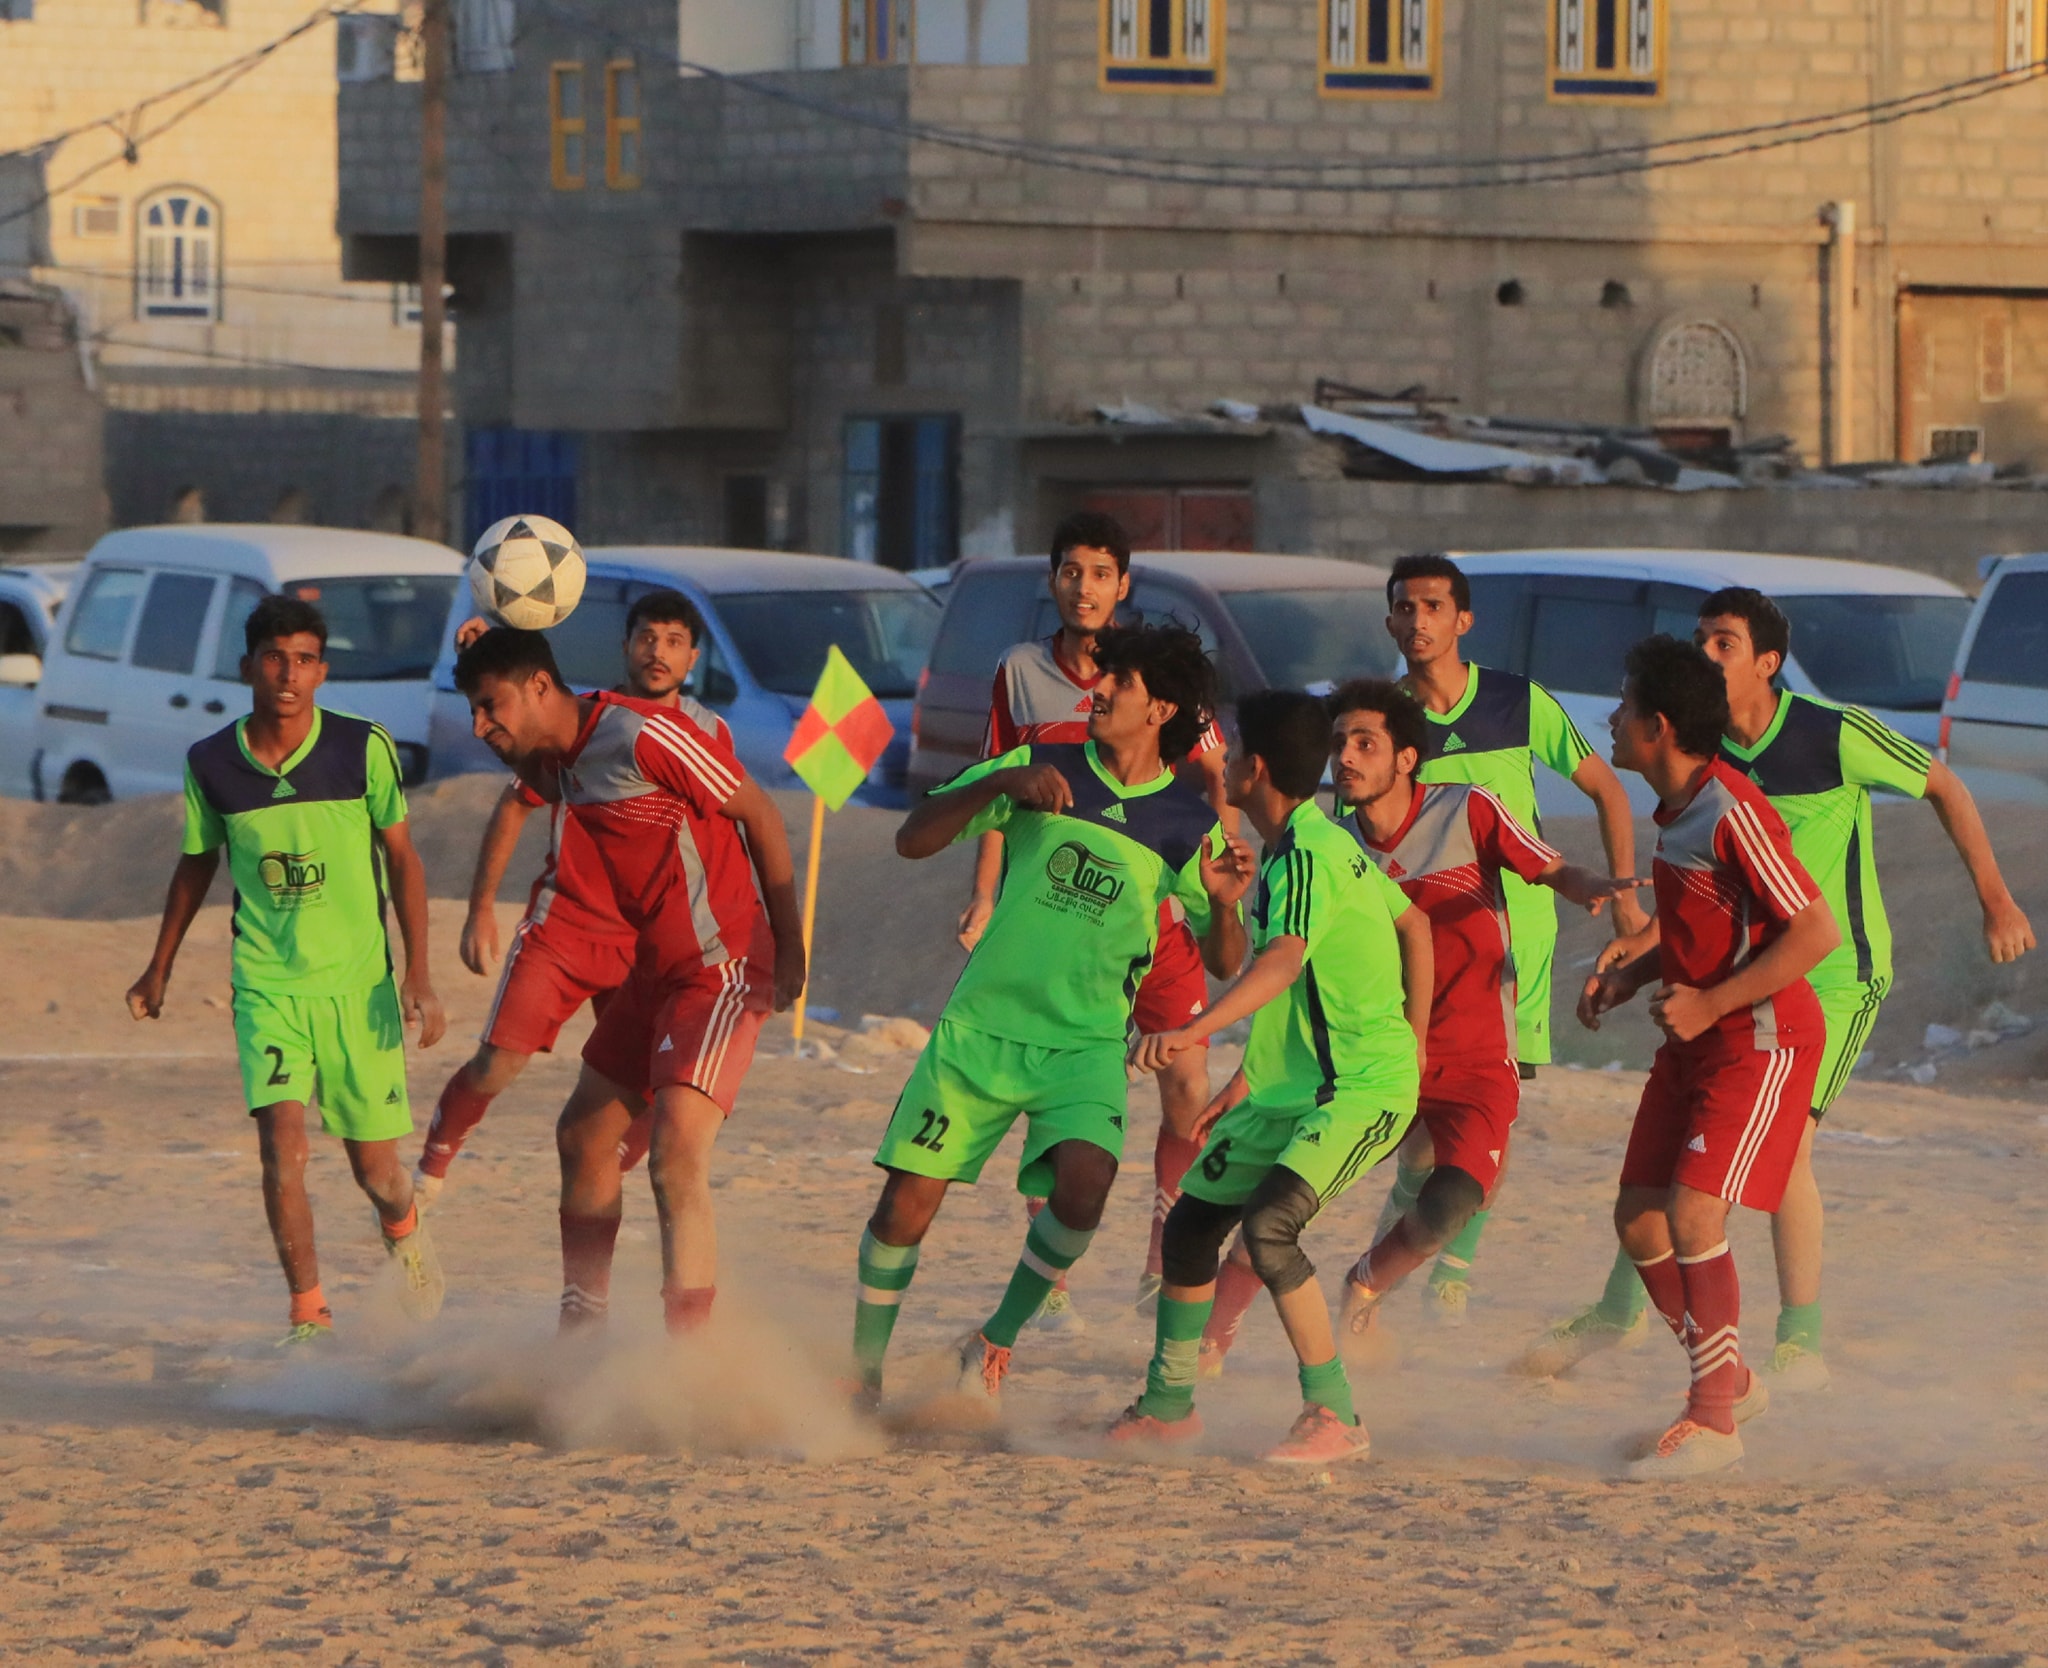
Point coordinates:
[(1727, 887), (1039, 698), (573, 894), (645, 785), (1448, 857)]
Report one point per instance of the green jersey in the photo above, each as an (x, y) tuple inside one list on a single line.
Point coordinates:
[(1817, 762), (1341, 1025), (1502, 727), (1077, 922), (308, 872)]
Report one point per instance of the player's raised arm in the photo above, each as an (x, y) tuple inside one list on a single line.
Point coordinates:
[(768, 848), (480, 946), (973, 802)]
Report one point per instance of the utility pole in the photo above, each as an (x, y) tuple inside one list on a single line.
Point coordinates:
[(431, 492)]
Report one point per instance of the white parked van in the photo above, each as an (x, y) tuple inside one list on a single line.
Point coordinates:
[(30, 596), (146, 656), (1994, 722)]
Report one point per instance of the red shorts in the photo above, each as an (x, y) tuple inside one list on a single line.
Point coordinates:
[(698, 1031), (1468, 1111), (1723, 1118), (1176, 990), (548, 975)]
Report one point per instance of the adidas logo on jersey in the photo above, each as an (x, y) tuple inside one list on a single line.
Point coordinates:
[(1698, 1144), (284, 790), (1455, 744), (1493, 1153), (1395, 871), (668, 1046), (1115, 813), (1314, 1138), (391, 1099)]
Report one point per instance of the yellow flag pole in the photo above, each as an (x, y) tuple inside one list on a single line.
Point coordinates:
[(810, 915)]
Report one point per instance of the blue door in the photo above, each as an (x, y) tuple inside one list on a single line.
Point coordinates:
[(518, 472)]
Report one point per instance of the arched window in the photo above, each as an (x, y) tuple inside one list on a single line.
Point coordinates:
[(1697, 375), (177, 258)]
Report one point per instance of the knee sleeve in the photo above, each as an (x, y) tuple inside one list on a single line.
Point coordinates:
[(1193, 1240), (1274, 1216), (1447, 1202)]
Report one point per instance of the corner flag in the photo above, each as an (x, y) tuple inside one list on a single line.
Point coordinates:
[(840, 735)]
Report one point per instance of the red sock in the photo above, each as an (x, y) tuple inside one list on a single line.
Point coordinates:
[(1666, 1286), (587, 1243), (403, 1227), (1237, 1287), (1393, 1259), (459, 1110), (311, 1306), (1031, 1209), (1713, 1301), (686, 1307), (639, 1137), (1170, 1161)]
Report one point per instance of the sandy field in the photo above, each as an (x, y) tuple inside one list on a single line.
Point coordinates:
[(171, 1492)]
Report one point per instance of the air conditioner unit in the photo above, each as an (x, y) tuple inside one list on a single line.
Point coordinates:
[(365, 46), (1955, 443), (96, 217)]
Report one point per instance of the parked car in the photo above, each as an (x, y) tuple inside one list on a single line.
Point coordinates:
[(1293, 622), (1994, 721), (1881, 638), (29, 599), (770, 618), (146, 657)]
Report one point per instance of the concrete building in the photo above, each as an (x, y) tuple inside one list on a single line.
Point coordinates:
[(854, 275), (242, 378)]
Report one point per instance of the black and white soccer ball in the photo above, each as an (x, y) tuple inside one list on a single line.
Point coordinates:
[(527, 572)]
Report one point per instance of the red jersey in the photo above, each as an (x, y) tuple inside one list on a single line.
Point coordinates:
[(1449, 857), (1727, 886), (644, 784), (1039, 697), (572, 895)]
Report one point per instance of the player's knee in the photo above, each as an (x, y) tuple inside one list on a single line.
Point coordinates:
[(1447, 1202), (1193, 1240), (1083, 1174), (493, 1070), (1274, 1218), (903, 1215)]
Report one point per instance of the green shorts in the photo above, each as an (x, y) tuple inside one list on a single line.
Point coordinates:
[(968, 1089), (346, 1052), (1532, 924), (1851, 1013), (1328, 1146)]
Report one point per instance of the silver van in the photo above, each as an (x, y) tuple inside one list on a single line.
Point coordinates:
[(1994, 721)]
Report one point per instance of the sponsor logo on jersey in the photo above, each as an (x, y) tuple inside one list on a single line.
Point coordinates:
[(1082, 877), (293, 878), (1115, 812), (1455, 744)]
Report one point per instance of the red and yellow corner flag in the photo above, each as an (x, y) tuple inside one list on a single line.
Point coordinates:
[(841, 735)]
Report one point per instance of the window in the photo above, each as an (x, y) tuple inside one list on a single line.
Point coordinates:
[(1954, 443), (167, 635), (483, 36), (382, 629), (232, 643), (405, 304), (17, 11), (95, 216), (1698, 375), (1380, 48), (1893, 652), (566, 126), (622, 125), (1607, 49), (878, 31), (178, 259), (2026, 34), (1163, 45), (2012, 638), (1994, 354), (783, 637), (902, 504), (99, 625), (16, 637)]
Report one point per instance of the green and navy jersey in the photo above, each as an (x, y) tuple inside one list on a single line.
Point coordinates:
[(1341, 1025), (1817, 763), (308, 871), (1502, 727), (1077, 921)]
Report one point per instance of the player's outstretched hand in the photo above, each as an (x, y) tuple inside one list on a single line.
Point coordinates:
[(480, 949), (1038, 788), (421, 1007), (146, 995), (1153, 1051), (1682, 1013), (790, 973), (2008, 934), (974, 921), (469, 631), (1228, 876)]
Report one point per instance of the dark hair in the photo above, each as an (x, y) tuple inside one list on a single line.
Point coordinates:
[(1433, 565), (281, 616), (1406, 722), (1175, 667), (502, 652), (1769, 631), (666, 608), (1290, 730), (1094, 531), (1677, 681)]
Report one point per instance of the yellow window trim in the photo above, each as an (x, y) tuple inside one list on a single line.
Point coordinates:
[(617, 127), (1581, 94), (866, 9), (563, 128), (1176, 73), (1433, 67)]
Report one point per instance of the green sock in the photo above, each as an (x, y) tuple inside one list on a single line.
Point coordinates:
[(885, 1272), (1799, 1323), (1050, 1249), (1625, 1296), (1327, 1386), (1406, 1189), (1454, 1262), (1170, 1379)]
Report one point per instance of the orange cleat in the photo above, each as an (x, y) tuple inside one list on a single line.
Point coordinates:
[(1319, 1437), (1134, 1429)]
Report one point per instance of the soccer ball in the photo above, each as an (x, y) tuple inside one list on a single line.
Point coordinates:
[(527, 572)]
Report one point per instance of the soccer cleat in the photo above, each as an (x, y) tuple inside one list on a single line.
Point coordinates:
[(1448, 1300), (1209, 1359), (304, 1334), (1057, 1314), (1569, 1342), (1319, 1437), (419, 1267), (861, 1397), (1687, 1450), (1755, 1398), (1148, 1293), (425, 1188), (981, 1371), (1135, 1429), (1794, 1367)]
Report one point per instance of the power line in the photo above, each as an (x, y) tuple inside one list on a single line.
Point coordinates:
[(106, 338), (129, 274)]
